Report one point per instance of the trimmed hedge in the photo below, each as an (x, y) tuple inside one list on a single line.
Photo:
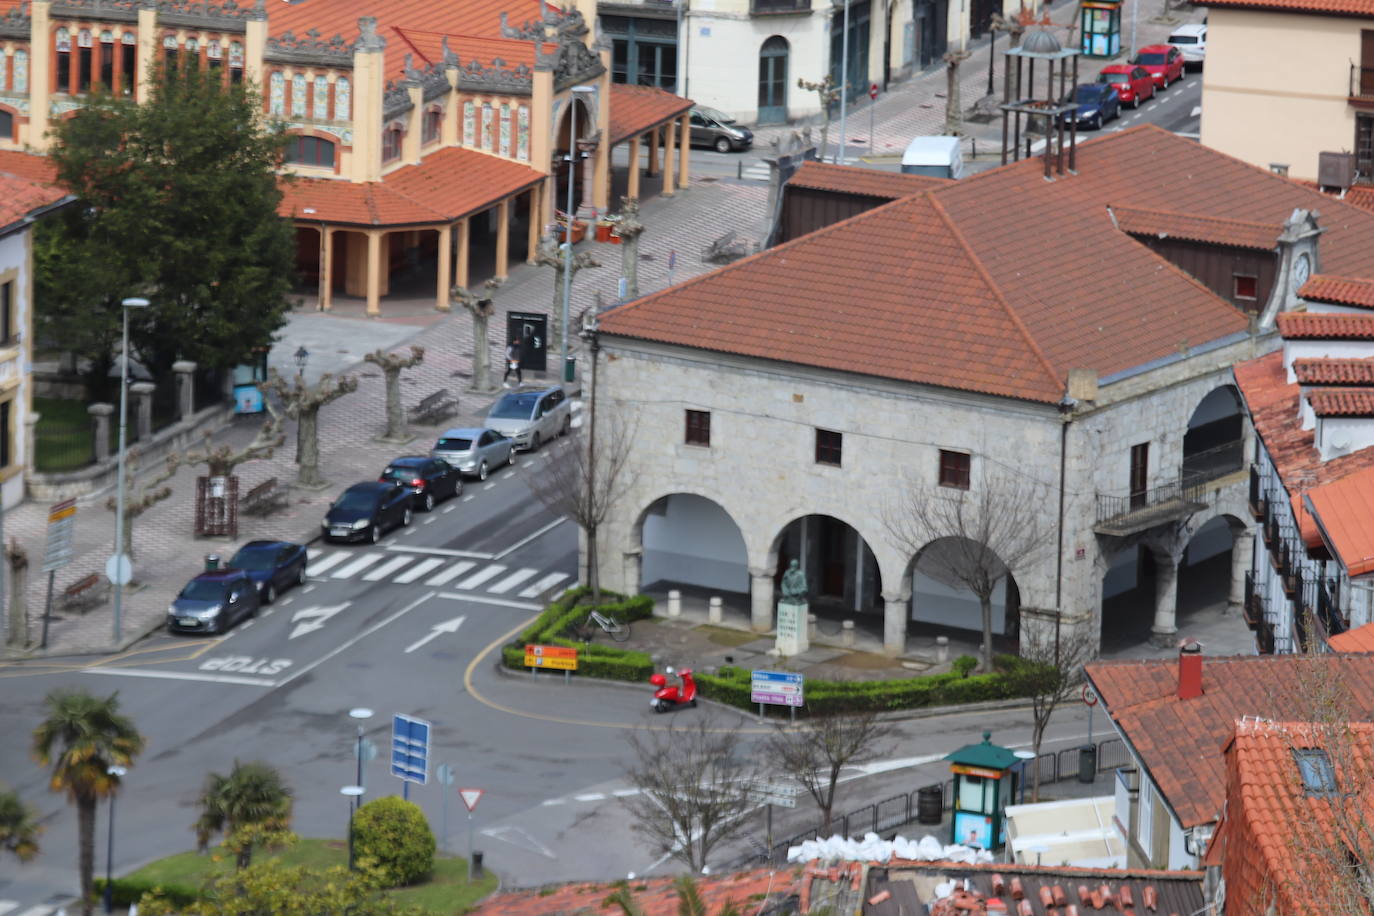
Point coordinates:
[(394, 834), (129, 891), (560, 621)]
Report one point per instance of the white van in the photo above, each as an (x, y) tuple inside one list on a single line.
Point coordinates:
[(939, 157)]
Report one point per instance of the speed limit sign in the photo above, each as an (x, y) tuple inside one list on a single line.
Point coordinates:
[(1089, 695), (873, 91)]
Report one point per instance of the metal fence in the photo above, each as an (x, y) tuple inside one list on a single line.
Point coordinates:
[(63, 446), (900, 810)]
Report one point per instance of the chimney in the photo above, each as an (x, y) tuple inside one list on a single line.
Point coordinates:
[(1190, 670)]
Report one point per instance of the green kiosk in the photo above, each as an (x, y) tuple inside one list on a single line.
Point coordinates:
[(983, 786), (1100, 28)]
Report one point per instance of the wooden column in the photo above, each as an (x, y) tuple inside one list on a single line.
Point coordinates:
[(464, 233), (374, 272), (652, 170), (684, 151), (669, 160), (445, 271), (633, 189), (326, 268), (503, 239), (536, 218)]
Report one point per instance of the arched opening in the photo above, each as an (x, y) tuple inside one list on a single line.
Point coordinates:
[(841, 571), (942, 598), (690, 542), (576, 110), (773, 81), (1214, 444)]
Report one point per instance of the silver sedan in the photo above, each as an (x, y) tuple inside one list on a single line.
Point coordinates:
[(474, 451)]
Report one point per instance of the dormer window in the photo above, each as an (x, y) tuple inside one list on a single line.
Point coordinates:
[(391, 143), (1318, 774), (432, 125)]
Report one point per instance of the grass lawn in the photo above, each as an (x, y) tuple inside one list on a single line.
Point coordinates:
[(446, 892)]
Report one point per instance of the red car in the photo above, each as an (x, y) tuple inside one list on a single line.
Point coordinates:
[(1133, 83), (1163, 62)]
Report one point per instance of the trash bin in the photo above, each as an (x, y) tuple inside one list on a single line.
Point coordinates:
[(477, 864), (211, 562), (1087, 763), (930, 805), (570, 370)]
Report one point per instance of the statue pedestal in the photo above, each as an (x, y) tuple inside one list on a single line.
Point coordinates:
[(792, 638)]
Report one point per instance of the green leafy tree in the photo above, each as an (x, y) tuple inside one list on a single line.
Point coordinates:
[(281, 890), (392, 836), (179, 204), (82, 737), (18, 827), (251, 806)]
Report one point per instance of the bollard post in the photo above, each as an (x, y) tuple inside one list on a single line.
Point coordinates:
[(810, 626), (847, 634), (674, 603), (941, 649), (714, 612)]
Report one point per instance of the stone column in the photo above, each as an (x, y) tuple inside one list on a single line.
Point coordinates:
[(374, 273), (587, 206), (503, 239), (634, 564), (31, 441), (326, 269), (143, 395), (186, 387), (536, 221), (896, 610), (444, 274), (633, 189), (101, 414), (460, 276), (1166, 600), (684, 152), (669, 159), (760, 600), (1241, 550), (652, 169)]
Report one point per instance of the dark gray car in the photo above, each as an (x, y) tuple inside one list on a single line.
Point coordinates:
[(718, 130), (474, 451), (213, 602)]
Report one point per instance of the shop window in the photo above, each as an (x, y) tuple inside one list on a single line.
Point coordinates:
[(310, 151), (829, 446), (954, 469), (698, 427)]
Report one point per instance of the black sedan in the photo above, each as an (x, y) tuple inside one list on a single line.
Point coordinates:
[(366, 511), (213, 602), (274, 566), (429, 479), (1097, 104)]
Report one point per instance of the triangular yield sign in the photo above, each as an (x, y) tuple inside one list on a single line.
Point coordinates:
[(470, 797)]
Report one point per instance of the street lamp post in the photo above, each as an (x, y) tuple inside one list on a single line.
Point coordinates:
[(353, 793), (1023, 758), (584, 90), (116, 772), (302, 355), (844, 85), (360, 713), (120, 561)]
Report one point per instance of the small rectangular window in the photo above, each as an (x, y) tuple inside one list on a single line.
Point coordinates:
[(64, 71), (84, 63), (391, 144), (698, 427), (7, 329), (433, 124), (6, 433), (1245, 286), (310, 151), (829, 446), (954, 469), (127, 67), (1318, 775)]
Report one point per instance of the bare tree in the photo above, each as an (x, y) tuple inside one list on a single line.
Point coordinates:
[(221, 460), (954, 106), (550, 254), (142, 498), (629, 228), (694, 787), (1049, 672), (481, 309), (391, 365), (828, 95), (816, 751), (986, 533), (302, 403)]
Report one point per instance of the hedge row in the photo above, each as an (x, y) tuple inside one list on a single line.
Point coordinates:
[(129, 891), (559, 622)]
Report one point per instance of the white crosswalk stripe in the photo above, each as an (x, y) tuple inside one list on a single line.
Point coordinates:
[(757, 171), (453, 572), (416, 571), (327, 563), (312, 553), (357, 566), (543, 585), (7, 905), (386, 569), (491, 572), (511, 581)]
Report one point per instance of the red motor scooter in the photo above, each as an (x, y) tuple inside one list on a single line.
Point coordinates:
[(665, 697)]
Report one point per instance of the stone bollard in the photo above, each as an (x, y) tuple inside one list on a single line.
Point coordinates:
[(941, 649), (101, 414), (31, 440), (847, 634), (186, 387), (674, 603), (714, 611), (143, 394), (810, 626)]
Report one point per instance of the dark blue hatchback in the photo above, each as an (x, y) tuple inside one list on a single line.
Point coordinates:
[(1097, 103), (274, 566), (213, 602)]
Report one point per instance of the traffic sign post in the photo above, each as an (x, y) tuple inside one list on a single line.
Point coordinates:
[(560, 658), (409, 751), (776, 688), (470, 799), (444, 774), (58, 552)]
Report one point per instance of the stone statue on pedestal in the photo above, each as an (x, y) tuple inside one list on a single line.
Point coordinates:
[(793, 637), (793, 585)]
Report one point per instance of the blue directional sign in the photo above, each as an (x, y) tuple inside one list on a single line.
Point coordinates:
[(779, 688), (410, 748)]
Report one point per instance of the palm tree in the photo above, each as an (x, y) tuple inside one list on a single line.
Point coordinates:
[(689, 902), (253, 795), (18, 828), (82, 737)]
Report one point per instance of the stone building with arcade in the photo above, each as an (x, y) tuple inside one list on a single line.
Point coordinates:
[(429, 142)]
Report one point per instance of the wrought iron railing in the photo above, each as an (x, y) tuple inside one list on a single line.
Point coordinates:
[(1180, 491), (1329, 610), (1361, 82), (773, 7), (1214, 462), (1258, 503)]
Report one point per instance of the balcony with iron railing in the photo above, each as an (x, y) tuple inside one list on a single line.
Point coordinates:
[(778, 7), (1253, 609), (1329, 611), (1121, 516), (1215, 462), (1258, 500), (1361, 85)]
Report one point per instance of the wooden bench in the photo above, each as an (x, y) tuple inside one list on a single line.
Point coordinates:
[(726, 249), (85, 593), (434, 408), (263, 498)]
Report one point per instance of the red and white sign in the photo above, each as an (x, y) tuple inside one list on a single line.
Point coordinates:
[(873, 91), (470, 797)]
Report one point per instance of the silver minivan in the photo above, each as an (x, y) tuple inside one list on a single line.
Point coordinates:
[(531, 416)]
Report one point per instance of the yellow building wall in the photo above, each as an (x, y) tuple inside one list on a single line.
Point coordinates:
[(1276, 85)]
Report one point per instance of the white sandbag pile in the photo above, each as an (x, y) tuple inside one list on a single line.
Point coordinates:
[(873, 848)]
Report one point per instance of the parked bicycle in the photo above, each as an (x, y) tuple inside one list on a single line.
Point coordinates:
[(616, 629)]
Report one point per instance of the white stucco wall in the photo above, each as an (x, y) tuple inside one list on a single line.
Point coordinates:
[(15, 360), (689, 539)]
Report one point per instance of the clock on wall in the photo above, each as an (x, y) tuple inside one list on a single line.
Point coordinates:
[(1302, 269)]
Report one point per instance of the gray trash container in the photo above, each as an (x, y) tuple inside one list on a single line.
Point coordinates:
[(930, 804), (1087, 763)]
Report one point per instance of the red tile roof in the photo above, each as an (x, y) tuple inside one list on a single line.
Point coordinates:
[(1360, 639), (824, 176), (1180, 741), (21, 196), (1197, 228), (1339, 290), (1359, 8), (1334, 371), (1342, 402), (1307, 525), (635, 109), (1325, 326), (655, 896), (477, 18), (447, 184), (426, 47), (1342, 510), (27, 165)]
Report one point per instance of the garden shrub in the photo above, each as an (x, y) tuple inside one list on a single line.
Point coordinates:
[(964, 665), (395, 836), (129, 891)]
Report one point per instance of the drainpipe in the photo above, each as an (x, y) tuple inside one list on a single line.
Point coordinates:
[(1066, 406)]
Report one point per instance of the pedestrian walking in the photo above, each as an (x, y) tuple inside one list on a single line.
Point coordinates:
[(513, 363)]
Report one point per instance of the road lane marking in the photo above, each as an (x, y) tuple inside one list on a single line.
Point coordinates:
[(357, 566), (488, 485), (490, 572), (543, 585), (418, 570), (327, 563), (521, 543), (184, 676), (453, 572), (499, 602), (386, 569), (468, 498), (350, 643), (1197, 110), (511, 581), (429, 521), (443, 552), (313, 553), (450, 508), (307, 590), (448, 626)]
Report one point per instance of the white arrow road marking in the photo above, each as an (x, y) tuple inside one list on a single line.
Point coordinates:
[(1197, 110), (314, 617), (448, 626)]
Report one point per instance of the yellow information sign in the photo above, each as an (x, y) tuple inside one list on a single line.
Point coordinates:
[(556, 657)]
